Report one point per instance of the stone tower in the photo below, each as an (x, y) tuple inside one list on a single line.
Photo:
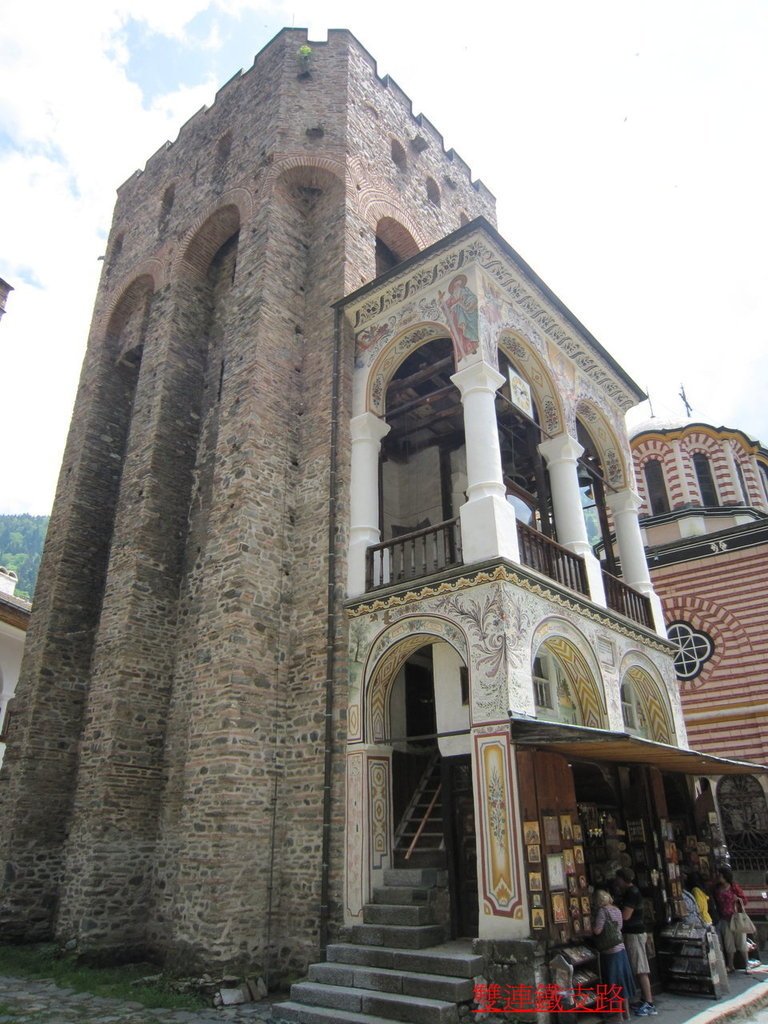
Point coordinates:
[(170, 784)]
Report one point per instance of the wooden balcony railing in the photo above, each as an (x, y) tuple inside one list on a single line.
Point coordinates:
[(551, 559), (625, 599), (413, 555)]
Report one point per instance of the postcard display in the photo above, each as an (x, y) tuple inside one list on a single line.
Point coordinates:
[(690, 962), (557, 878), (560, 902)]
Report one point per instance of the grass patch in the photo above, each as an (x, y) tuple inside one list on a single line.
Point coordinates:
[(47, 961)]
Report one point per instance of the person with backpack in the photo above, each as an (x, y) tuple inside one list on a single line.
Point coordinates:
[(630, 900), (614, 962)]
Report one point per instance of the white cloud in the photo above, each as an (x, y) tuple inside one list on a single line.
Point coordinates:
[(624, 144)]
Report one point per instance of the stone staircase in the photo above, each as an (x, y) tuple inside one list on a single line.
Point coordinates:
[(396, 968)]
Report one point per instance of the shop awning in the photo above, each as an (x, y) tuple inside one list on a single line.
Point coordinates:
[(585, 744)]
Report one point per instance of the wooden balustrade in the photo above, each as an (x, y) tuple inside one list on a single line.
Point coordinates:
[(620, 597), (413, 555), (424, 552), (551, 559)]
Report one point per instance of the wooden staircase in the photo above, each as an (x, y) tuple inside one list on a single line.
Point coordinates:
[(419, 838)]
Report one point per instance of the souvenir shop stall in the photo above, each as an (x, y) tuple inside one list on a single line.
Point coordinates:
[(592, 802)]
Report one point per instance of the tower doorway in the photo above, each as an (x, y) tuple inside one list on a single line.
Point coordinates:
[(432, 793)]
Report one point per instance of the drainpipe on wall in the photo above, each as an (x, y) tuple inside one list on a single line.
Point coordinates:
[(331, 619)]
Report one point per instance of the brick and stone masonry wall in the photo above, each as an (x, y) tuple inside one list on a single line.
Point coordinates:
[(179, 642)]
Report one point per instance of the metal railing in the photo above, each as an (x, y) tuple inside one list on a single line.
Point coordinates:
[(549, 558), (413, 555), (625, 599)]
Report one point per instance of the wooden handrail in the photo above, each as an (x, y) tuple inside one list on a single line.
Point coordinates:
[(423, 823), (413, 555), (622, 598), (552, 559)]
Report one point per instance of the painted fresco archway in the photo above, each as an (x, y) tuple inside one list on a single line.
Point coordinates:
[(574, 653), (482, 755), (650, 696), (388, 652)]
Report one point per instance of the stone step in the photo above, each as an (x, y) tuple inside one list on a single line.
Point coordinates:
[(399, 936), (390, 1005), (410, 876), (382, 979), (402, 895), (447, 959), (433, 858), (297, 1013), (397, 914)]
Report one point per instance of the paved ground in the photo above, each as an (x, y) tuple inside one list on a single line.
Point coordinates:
[(42, 1002)]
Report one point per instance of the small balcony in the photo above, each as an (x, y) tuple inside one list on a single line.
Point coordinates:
[(627, 601), (551, 559), (413, 555), (423, 553)]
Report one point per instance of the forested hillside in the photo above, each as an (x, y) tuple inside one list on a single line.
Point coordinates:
[(21, 545)]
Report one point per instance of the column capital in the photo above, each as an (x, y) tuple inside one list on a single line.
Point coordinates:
[(368, 427), (477, 377), (624, 500), (562, 448)]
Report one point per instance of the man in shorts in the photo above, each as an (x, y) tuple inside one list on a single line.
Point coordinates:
[(630, 900)]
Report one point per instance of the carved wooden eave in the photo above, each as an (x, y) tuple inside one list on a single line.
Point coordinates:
[(478, 248)]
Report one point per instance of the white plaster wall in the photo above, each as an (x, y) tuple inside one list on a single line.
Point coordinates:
[(397, 720), (459, 479), (451, 715)]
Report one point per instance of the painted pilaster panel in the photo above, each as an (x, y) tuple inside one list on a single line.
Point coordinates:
[(503, 913)]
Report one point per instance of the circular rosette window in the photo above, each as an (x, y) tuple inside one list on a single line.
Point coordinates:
[(694, 649)]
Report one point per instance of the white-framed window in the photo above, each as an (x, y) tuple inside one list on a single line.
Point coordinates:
[(552, 691), (633, 713)]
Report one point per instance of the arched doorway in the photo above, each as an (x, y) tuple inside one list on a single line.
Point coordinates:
[(418, 710)]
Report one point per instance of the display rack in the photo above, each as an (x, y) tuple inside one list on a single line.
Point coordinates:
[(581, 973), (689, 961)]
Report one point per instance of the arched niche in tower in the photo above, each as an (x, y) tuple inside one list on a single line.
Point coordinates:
[(394, 243)]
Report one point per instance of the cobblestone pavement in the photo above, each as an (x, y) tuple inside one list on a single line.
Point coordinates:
[(23, 1001)]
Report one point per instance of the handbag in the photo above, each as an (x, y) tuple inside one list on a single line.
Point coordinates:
[(609, 937), (741, 923)]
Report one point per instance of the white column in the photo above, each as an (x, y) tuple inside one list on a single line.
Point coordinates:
[(562, 454), (624, 505), (367, 431), (488, 524), (682, 473), (735, 483)]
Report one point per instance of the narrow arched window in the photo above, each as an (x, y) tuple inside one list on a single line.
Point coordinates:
[(657, 490), (706, 481), (165, 209), (399, 158), (764, 477), (742, 483), (433, 192)]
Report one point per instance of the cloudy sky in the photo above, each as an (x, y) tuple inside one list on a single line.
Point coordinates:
[(625, 143)]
